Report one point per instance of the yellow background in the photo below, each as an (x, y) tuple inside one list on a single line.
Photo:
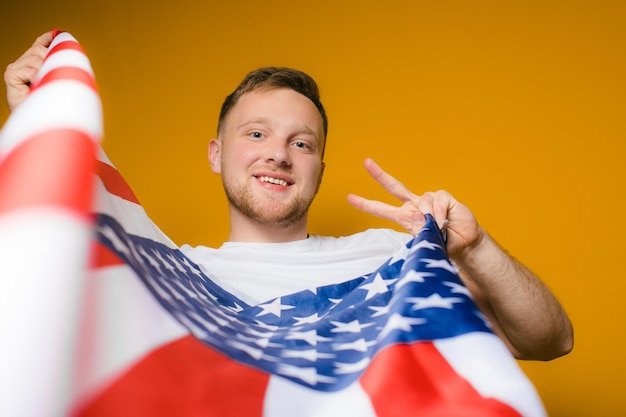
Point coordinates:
[(517, 108)]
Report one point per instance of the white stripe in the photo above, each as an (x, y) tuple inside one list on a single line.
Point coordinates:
[(61, 37), (43, 255), (484, 360), (131, 216), (59, 105), (123, 323), (64, 58), (286, 399)]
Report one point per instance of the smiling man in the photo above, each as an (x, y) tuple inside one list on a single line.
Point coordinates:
[(269, 151)]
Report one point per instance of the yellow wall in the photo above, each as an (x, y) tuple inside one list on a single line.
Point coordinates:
[(517, 108)]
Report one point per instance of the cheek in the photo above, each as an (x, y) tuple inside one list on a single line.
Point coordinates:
[(315, 173), (237, 160), (240, 154)]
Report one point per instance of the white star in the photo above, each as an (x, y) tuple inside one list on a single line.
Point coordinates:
[(353, 327), (250, 330), (350, 368), (193, 269), (179, 288), (335, 301), (266, 326), (177, 264), (379, 310), (236, 308), (112, 236), (399, 322), (425, 244), (163, 262), (360, 345), (172, 287), (401, 254), (308, 375), (203, 291), (262, 342), (204, 330), (253, 352), (377, 286), (161, 291), (274, 307), (135, 255), (458, 288), (311, 337), (433, 301), (151, 261), (220, 318), (310, 355), (199, 332), (413, 276), (439, 263), (306, 320)]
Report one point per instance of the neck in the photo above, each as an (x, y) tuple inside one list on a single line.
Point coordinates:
[(244, 229)]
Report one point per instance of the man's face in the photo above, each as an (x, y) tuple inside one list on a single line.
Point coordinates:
[(269, 155)]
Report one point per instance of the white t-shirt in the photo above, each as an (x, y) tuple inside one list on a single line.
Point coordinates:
[(257, 272)]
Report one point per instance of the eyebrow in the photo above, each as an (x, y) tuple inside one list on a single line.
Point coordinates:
[(303, 128), (261, 120)]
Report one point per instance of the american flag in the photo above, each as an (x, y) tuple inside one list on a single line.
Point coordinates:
[(157, 337)]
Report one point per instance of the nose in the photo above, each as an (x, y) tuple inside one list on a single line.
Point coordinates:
[(277, 152)]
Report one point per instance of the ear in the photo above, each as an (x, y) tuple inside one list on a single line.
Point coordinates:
[(215, 155)]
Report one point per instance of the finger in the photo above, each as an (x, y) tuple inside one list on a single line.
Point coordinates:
[(373, 207), (425, 203), (39, 48), (438, 204), (428, 204), (389, 183), (25, 67), (407, 216), (442, 204), (44, 39), (21, 73)]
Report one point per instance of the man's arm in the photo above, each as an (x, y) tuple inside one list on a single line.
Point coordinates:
[(522, 310), (20, 73)]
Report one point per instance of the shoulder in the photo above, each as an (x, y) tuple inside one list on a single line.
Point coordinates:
[(379, 240), (372, 234), (387, 237)]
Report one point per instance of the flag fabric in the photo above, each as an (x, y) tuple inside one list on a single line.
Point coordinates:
[(157, 337), (47, 157)]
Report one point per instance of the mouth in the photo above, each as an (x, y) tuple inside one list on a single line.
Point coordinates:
[(274, 180)]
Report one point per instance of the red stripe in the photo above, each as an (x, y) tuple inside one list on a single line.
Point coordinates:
[(66, 45), (102, 256), (67, 73), (184, 379), (114, 183), (52, 168), (412, 380), (56, 32)]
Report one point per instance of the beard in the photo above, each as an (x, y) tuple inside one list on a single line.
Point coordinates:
[(268, 211)]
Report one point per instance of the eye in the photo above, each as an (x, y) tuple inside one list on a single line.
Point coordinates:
[(256, 135), (302, 145)]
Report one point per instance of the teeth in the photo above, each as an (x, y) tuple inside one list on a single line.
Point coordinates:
[(274, 181)]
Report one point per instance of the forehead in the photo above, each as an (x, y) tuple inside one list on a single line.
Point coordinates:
[(280, 107)]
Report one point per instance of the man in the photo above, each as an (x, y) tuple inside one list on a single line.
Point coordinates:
[(269, 151)]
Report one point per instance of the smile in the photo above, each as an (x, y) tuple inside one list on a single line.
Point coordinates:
[(273, 181)]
